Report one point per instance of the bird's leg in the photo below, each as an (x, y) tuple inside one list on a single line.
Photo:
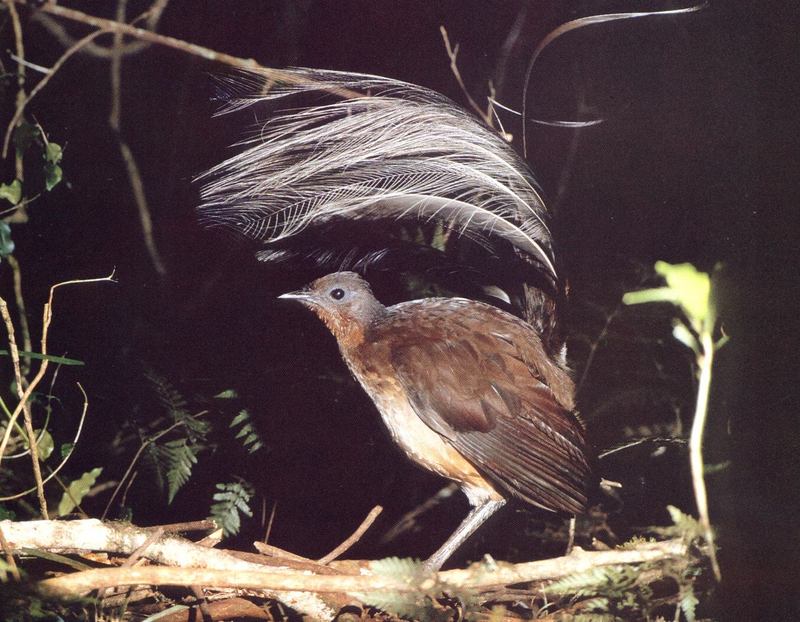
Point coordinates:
[(476, 517)]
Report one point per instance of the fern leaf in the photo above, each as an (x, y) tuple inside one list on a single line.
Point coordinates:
[(689, 604), (180, 458), (603, 580), (232, 500), (416, 604), (247, 434)]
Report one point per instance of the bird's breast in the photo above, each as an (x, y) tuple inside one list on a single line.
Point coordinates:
[(422, 444)]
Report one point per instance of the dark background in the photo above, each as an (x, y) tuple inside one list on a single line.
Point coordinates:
[(696, 161)]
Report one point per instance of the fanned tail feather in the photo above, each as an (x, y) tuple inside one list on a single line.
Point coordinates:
[(370, 151), (388, 149)]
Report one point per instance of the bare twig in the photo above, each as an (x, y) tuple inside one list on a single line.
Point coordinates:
[(271, 520), (131, 166), (12, 564), (152, 16), (107, 25), (355, 537), (136, 555), (46, 320), (273, 551), (19, 211), (595, 344), (20, 215), (408, 519), (141, 549), (116, 77), (452, 53), (507, 50), (64, 460), (43, 82), (21, 312), (27, 417), (202, 603)]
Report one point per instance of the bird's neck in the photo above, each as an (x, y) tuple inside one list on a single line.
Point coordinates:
[(353, 329)]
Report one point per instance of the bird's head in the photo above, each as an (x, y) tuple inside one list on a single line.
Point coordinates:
[(344, 302)]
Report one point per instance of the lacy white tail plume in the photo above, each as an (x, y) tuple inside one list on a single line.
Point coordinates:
[(387, 149)]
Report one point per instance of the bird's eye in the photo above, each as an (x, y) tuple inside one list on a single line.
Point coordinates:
[(337, 294)]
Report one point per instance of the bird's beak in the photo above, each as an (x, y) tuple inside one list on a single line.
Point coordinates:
[(303, 296)]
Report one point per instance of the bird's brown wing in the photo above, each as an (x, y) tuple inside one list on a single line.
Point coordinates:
[(471, 374)]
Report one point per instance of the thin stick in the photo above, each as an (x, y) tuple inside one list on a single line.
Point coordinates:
[(107, 25), (407, 520), (19, 167), (135, 556), (596, 344), (27, 417), (152, 17), (23, 317), (139, 552), (43, 82), (46, 320), (202, 603), (9, 556), (65, 458), (271, 521), (355, 537), (273, 551), (452, 54), (705, 360), (131, 166)]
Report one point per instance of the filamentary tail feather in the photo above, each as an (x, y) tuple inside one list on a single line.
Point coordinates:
[(400, 151), (383, 150)]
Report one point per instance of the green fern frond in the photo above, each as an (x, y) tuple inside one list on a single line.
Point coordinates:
[(172, 400), (635, 542), (612, 581), (418, 603), (231, 501), (683, 526), (688, 526), (179, 458), (177, 407), (689, 603), (403, 569), (154, 465), (247, 434)]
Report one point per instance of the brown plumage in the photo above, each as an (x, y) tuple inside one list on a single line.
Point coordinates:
[(468, 391)]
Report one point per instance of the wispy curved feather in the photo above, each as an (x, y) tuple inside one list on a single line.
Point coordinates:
[(386, 149)]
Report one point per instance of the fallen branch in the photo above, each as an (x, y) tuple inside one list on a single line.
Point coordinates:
[(475, 578), (318, 595), (192, 560)]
